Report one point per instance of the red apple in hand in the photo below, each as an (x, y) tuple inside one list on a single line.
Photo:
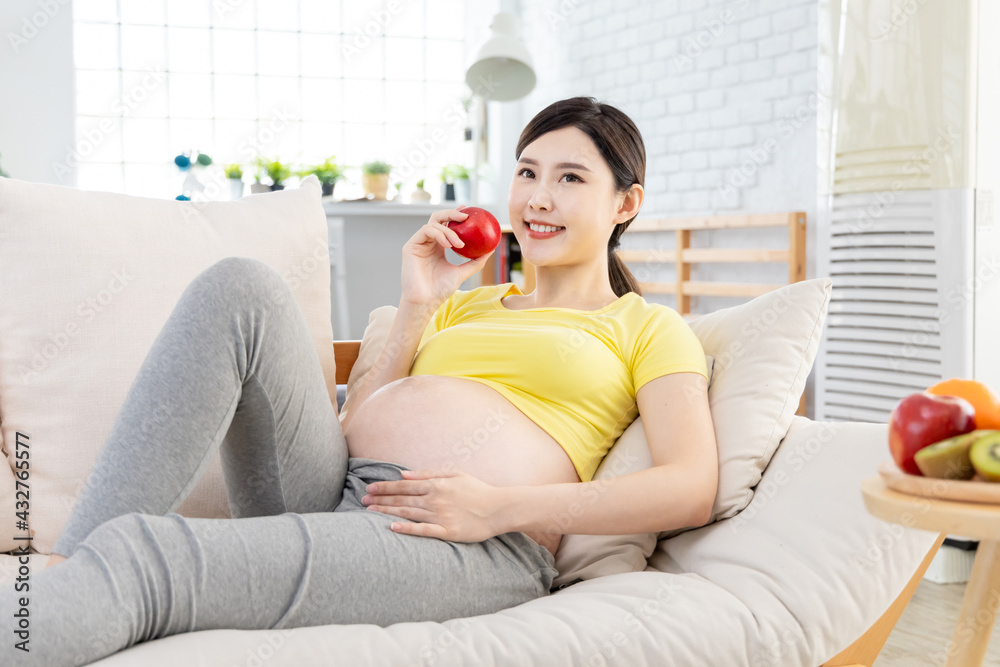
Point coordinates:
[(480, 232), (922, 419)]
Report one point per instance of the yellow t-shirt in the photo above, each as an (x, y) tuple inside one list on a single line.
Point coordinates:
[(575, 373)]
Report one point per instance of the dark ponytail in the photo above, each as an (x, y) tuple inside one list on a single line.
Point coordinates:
[(619, 143)]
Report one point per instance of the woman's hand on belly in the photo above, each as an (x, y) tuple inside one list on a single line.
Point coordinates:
[(449, 505)]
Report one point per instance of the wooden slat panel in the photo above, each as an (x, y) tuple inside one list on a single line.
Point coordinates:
[(727, 289), (735, 255), (796, 247), (709, 289), (648, 255), (709, 222), (683, 272), (704, 255), (658, 288), (345, 353)]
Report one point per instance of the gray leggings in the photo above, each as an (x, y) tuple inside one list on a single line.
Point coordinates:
[(234, 370)]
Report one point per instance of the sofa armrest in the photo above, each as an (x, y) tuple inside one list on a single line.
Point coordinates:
[(805, 555)]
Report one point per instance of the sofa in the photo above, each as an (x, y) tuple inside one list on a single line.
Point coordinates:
[(791, 569)]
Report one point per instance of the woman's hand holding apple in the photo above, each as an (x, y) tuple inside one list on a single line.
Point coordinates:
[(428, 278), (480, 232)]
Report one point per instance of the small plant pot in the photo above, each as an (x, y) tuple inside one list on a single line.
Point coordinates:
[(277, 186), (463, 190), (258, 188), (327, 189), (235, 188), (420, 195), (447, 192), (375, 185)]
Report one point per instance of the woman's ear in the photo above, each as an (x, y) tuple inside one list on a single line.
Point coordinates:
[(631, 203)]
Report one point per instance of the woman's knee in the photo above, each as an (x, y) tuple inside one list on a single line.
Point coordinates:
[(120, 535), (248, 279), (239, 271)]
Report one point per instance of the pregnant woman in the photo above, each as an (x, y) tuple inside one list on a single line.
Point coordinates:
[(444, 488)]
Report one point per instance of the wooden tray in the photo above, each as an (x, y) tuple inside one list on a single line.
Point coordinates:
[(939, 489)]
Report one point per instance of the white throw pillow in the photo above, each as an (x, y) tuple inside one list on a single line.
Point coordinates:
[(87, 280), (763, 351)]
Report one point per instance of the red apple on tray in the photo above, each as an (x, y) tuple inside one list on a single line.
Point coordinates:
[(480, 232), (922, 419)]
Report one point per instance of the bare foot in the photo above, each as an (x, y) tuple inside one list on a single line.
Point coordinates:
[(54, 559)]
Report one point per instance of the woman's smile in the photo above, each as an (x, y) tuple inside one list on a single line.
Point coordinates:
[(542, 231)]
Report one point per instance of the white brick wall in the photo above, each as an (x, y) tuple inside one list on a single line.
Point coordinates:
[(709, 83)]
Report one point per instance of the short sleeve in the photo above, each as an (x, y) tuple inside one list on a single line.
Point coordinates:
[(441, 319), (665, 345)]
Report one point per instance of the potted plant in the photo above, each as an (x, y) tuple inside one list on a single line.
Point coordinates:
[(420, 195), (375, 178), (258, 174), (460, 177), (455, 183), (447, 183), (277, 171), (234, 174), (399, 191), (328, 173)]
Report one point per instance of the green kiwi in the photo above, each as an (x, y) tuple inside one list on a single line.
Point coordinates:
[(985, 455), (949, 458)]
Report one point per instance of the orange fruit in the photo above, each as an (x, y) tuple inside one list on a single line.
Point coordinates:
[(983, 399)]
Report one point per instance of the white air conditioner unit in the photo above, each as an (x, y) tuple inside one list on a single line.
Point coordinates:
[(906, 227)]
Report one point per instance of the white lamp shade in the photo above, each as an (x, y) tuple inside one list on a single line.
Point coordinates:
[(502, 69)]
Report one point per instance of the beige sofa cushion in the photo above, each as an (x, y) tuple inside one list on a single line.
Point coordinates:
[(87, 280)]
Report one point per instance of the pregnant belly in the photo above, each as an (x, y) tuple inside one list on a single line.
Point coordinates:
[(429, 421)]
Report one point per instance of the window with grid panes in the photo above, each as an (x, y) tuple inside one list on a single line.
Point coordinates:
[(294, 80)]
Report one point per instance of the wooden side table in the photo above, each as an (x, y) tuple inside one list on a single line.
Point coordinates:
[(979, 520)]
